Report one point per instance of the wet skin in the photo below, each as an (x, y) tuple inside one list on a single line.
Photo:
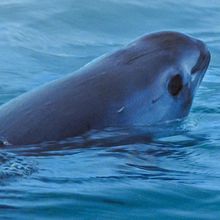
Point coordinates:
[(151, 80)]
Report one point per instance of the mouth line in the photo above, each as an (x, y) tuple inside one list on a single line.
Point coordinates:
[(202, 64)]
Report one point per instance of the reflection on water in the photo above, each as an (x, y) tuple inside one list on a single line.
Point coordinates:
[(110, 174)]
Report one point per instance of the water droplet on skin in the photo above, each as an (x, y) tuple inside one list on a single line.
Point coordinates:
[(4, 142), (121, 109)]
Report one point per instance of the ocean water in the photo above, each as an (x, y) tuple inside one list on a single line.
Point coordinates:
[(107, 175)]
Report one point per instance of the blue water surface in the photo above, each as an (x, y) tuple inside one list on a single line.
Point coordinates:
[(103, 177)]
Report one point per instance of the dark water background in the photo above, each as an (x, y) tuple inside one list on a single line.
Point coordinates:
[(175, 177)]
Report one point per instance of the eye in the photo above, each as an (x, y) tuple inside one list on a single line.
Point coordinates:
[(175, 85)]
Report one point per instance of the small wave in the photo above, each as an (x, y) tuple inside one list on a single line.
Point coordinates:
[(13, 166)]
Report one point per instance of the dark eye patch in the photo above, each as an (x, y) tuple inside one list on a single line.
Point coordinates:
[(175, 85)]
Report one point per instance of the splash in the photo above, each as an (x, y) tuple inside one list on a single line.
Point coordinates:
[(12, 166)]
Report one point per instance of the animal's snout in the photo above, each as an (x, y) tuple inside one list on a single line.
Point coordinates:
[(203, 60)]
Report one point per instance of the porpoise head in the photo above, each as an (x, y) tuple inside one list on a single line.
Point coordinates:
[(164, 69)]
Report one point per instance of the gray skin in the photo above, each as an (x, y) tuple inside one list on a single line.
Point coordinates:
[(125, 88)]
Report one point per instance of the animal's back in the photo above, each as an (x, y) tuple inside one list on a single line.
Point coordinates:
[(52, 112), (66, 107)]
